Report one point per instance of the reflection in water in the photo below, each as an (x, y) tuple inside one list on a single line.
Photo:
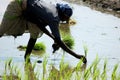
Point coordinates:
[(39, 53), (64, 29), (66, 35)]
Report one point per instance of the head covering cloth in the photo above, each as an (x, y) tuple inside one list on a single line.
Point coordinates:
[(65, 9)]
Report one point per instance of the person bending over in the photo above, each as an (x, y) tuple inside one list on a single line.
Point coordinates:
[(42, 14)]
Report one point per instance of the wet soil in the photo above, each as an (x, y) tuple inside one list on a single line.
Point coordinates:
[(106, 6)]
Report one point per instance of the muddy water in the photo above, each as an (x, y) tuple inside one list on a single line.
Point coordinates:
[(98, 31)]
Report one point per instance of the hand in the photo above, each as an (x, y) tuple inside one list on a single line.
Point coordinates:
[(55, 47), (84, 59)]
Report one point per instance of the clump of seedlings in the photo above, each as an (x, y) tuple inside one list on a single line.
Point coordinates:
[(69, 41), (38, 49), (39, 46)]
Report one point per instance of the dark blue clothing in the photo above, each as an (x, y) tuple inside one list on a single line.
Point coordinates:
[(43, 14)]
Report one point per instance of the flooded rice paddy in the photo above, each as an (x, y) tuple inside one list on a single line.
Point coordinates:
[(99, 32)]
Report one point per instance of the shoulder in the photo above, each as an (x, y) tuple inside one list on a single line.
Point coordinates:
[(50, 12)]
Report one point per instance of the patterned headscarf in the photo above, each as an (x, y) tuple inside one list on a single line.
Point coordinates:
[(65, 9)]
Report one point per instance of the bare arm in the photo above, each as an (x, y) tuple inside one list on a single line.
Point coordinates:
[(63, 46)]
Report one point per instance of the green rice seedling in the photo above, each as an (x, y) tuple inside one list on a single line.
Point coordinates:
[(63, 73), (54, 73), (10, 71), (44, 67), (7, 64), (118, 77), (89, 72), (114, 72), (96, 71), (85, 50), (68, 71), (29, 72), (69, 41), (78, 70), (34, 64), (39, 49), (62, 66), (86, 74), (104, 73), (39, 46), (80, 66), (93, 70), (36, 74), (7, 68), (18, 73), (96, 74)]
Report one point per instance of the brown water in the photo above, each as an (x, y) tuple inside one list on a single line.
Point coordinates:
[(100, 32)]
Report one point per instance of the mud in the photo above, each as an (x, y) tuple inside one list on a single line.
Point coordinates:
[(106, 6)]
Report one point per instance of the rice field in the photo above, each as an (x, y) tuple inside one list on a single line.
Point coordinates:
[(65, 72), (93, 33)]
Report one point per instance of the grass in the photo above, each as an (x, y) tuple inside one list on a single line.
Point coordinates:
[(65, 72)]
